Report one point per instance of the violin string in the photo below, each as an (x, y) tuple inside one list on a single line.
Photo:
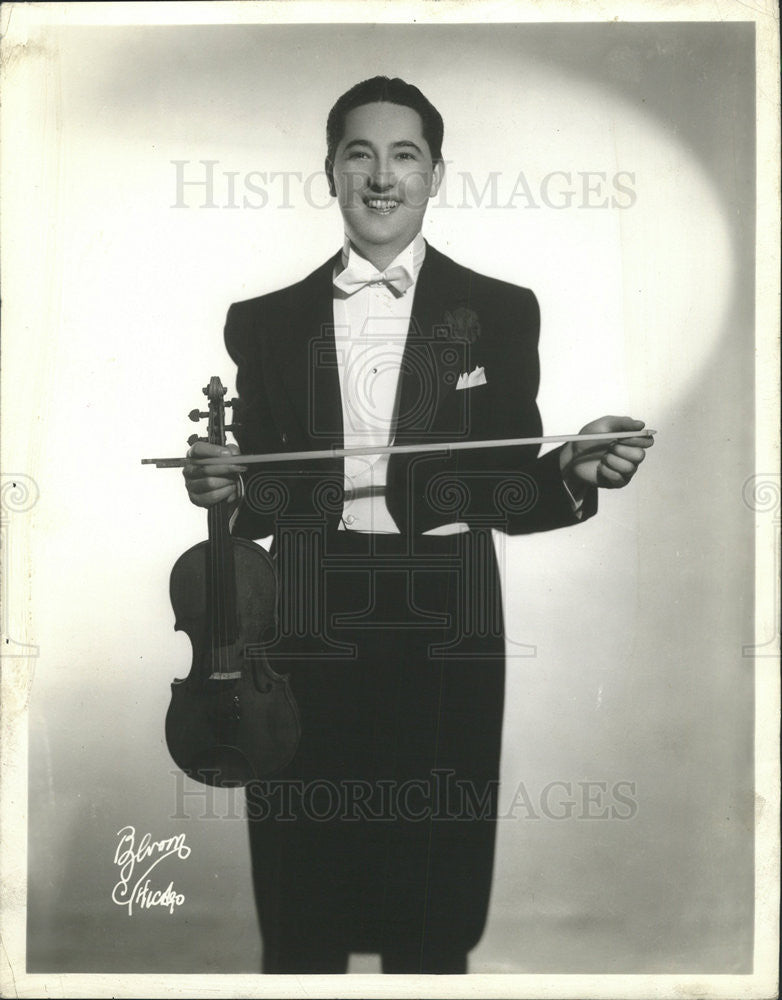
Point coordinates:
[(216, 548), (212, 560), (220, 568), (220, 547), (223, 611)]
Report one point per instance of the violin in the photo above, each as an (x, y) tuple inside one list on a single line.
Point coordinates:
[(233, 719)]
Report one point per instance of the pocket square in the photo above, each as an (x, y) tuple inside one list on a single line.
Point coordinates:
[(468, 380)]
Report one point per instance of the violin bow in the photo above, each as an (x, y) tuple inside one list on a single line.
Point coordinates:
[(391, 449)]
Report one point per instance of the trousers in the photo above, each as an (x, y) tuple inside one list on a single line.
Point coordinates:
[(379, 835)]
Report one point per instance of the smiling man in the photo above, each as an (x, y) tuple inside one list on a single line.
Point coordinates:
[(379, 836), (383, 175)]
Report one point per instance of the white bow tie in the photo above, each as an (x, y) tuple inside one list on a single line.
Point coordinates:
[(361, 273)]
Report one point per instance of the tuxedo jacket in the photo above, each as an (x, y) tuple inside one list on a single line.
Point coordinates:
[(289, 400), (405, 700)]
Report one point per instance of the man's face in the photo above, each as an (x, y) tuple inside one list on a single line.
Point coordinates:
[(383, 177)]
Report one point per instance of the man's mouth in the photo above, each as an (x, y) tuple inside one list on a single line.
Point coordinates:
[(383, 206)]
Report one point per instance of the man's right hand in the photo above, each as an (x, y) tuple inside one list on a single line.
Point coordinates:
[(207, 485)]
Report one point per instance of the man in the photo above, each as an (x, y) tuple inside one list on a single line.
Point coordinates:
[(390, 605)]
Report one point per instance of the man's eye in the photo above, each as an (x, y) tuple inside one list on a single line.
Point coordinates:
[(405, 156), (357, 154)]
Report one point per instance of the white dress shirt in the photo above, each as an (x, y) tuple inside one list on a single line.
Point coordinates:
[(370, 330)]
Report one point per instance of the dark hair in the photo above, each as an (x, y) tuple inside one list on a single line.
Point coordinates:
[(390, 91)]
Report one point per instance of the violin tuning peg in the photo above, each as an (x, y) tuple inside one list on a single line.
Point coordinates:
[(192, 439), (195, 415)]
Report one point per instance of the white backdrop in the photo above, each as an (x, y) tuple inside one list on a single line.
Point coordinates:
[(638, 618)]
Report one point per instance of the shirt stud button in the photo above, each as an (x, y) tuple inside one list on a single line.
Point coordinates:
[(350, 519)]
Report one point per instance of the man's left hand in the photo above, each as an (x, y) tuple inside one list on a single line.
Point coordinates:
[(608, 464)]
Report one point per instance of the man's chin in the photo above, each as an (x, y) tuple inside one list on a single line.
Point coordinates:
[(381, 233)]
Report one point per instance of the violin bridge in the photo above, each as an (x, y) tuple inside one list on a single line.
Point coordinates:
[(234, 675)]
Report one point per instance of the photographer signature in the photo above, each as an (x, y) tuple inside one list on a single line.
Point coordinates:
[(132, 858)]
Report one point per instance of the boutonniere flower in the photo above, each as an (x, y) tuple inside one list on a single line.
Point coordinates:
[(463, 324)]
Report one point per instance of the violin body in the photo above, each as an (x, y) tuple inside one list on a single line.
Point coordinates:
[(233, 719)]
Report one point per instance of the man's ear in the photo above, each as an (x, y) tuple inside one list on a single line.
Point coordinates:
[(438, 172), (329, 168)]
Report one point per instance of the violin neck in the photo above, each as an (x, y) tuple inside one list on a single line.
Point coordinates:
[(221, 578)]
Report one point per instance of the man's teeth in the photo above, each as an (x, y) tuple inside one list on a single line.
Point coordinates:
[(382, 205)]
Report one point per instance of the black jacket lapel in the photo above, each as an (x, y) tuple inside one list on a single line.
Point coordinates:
[(432, 361), (307, 360), (429, 407)]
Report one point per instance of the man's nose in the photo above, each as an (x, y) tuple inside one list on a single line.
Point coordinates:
[(381, 178)]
